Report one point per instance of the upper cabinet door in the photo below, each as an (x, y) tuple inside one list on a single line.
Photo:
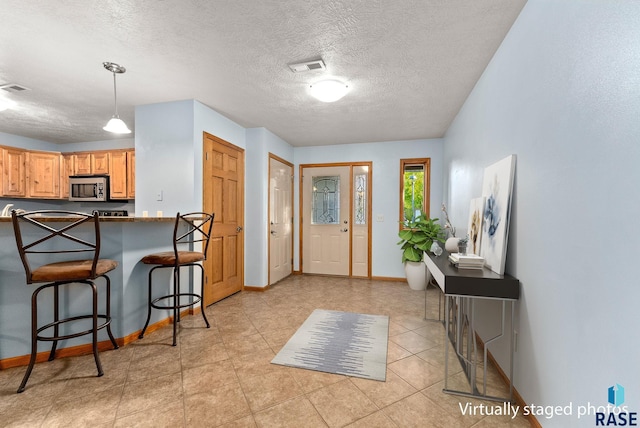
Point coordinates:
[(82, 163), (100, 162), (14, 174), (118, 175), (44, 175), (67, 168), (131, 174)]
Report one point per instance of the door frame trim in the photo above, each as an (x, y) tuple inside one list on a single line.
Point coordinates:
[(289, 164), (351, 165)]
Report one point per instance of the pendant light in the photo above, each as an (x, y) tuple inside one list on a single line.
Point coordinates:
[(115, 124)]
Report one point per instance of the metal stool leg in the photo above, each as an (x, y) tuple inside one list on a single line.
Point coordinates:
[(94, 333), (56, 318), (34, 339), (146, 324), (202, 306), (176, 302), (108, 309)]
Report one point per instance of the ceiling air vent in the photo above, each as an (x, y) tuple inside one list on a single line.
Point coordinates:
[(307, 66), (13, 87)]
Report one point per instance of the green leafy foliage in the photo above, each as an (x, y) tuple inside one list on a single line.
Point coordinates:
[(418, 237), (413, 192)]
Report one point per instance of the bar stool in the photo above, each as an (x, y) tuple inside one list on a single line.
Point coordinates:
[(54, 244), (198, 230)]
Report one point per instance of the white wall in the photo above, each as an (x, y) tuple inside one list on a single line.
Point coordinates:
[(168, 147), (121, 143), (26, 143), (386, 256), (563, 94), (165, 154), (260, 142)]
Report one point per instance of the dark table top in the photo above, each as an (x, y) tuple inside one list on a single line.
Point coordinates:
[(472, 282)]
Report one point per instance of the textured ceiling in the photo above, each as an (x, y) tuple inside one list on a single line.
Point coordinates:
[(410, 64)]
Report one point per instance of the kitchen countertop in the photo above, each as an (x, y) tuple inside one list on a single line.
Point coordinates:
[(114, 219), (125, 240)]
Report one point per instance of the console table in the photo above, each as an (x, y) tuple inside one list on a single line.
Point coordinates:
[(461, 288)]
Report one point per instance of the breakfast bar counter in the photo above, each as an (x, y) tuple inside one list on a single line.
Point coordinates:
[(123, 239), (123, 219)]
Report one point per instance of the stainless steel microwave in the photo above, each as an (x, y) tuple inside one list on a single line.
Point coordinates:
[(89, 188)]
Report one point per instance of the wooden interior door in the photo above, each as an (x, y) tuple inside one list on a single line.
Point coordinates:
[(223, 187), (280, 219)]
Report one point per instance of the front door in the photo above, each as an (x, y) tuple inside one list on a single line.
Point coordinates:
[(280, 219), (326, 220), (223, 187)]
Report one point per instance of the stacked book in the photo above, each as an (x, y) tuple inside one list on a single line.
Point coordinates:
[(468, 261)]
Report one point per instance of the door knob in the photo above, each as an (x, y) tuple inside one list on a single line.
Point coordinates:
[(239, 229)]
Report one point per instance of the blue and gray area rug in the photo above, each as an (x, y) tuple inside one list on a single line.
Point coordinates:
[(339, 342)]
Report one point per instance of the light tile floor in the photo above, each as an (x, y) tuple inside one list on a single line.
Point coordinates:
[(222, 376)]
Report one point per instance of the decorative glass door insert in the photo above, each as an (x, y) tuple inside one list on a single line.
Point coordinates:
[(360, 198), (326, 200)]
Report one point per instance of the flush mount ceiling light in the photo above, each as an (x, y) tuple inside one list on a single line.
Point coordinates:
[(115, 124), (328, 91)]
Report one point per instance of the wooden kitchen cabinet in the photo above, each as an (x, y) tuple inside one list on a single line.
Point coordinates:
[(67, 168), (100, 162), (91, 163), (118, 174), (82, 164), (14, 172), (43, 174), (131, 174)]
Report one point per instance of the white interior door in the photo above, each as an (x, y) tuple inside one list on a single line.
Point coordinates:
[(280, 220), (326, 220)]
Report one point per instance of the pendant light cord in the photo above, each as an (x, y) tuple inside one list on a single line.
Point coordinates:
[(115, 95)]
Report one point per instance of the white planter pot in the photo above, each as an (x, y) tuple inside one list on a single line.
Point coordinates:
[(416, 275)]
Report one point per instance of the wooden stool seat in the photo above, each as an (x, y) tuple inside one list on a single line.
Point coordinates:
[(168, 258), (71, 270)]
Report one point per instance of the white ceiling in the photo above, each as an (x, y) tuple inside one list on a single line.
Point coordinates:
[(410, 64)]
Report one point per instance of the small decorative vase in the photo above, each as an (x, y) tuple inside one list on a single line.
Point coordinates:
[(462, 249), (435, 248), (451, 244)]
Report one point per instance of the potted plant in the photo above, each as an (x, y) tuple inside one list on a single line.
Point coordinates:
[(415, 240), (462, 245)]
